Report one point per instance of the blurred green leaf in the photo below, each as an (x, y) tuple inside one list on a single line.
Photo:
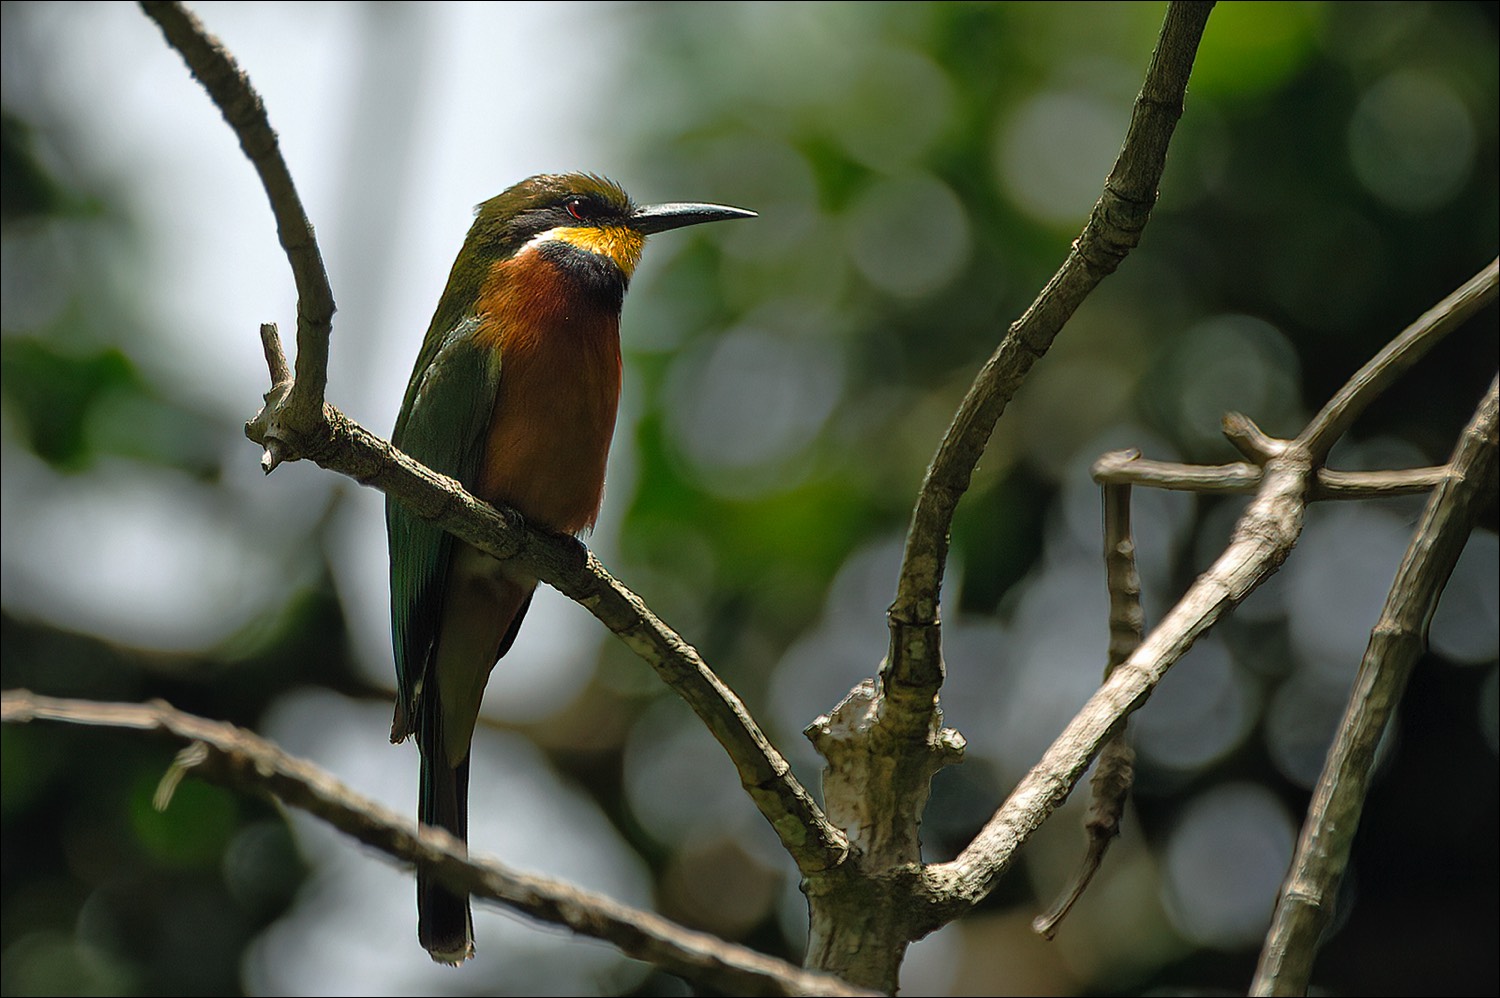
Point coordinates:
[(73, 406), (1252, 49), (53, 392)]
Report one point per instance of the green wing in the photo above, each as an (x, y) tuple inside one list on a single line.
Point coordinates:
[(442, 424)]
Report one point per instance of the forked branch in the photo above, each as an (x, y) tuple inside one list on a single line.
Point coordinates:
[(1262, 539)]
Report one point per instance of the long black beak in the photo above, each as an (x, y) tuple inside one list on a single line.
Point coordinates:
[(661, 217)]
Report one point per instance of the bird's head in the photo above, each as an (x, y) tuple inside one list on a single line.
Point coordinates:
[(581, 211)]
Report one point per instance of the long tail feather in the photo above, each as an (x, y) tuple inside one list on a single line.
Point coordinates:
[(445, 924)]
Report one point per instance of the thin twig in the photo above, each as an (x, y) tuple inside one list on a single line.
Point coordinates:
[(1335, 418), (270, 343), (1127, 467), (1397, 642), (274, 451), (215, 68), (242, 760), (1115, 770)]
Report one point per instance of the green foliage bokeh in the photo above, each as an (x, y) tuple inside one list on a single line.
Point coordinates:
[(920, 171)]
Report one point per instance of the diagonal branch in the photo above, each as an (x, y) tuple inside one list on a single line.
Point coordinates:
[(1335, 418), (242, 760), (1397, 642), (1264, 536), (296, 423), (913, 671), (1324, 429), (1262, 539)]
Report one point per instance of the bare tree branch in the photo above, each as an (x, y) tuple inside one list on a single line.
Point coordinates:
[(244, 761), (296, 423), (1335, 418), (1400, 637), (868, 890), (1127, 467), (1262, 539), (215, 68), (1115, 771), (913, 670), (1264, 536)]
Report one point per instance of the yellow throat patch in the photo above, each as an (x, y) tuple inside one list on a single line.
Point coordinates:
[(617, 242)]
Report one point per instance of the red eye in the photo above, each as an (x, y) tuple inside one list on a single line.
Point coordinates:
[(578, 208)]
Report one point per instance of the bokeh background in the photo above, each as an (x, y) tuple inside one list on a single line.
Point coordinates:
[(920, 171)]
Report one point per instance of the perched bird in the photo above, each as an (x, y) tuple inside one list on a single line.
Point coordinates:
[(514, 395)]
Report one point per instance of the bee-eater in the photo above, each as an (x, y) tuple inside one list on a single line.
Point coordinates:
[(514, 395)]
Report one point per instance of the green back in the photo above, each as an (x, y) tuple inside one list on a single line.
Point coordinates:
[(442, 425), (448, 405)]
